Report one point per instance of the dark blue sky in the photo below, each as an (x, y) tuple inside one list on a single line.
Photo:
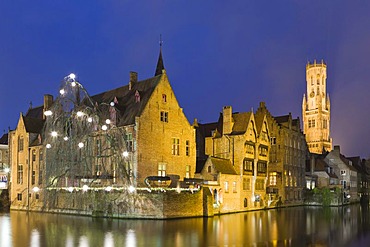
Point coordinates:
[(216, 53)]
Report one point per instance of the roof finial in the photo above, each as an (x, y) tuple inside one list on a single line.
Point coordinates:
[(160, 41), (160, 65)]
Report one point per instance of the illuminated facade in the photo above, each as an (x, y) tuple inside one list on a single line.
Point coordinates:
[(316, 109)]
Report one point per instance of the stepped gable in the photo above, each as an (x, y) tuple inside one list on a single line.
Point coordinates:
[(128, 107)]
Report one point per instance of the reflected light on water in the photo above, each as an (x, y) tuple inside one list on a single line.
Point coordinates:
[(35, 238), (69, 241), (130, 238), (5, 235), (108, 240), (84, 242)]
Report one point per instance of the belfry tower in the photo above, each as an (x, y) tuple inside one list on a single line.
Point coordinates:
[(316, 109)]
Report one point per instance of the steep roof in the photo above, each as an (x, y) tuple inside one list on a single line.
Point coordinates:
[(33, 125), (241, 121), (4, 139), (127, 104), (160, 65), (223, 165), (207, 129), (35, 112)]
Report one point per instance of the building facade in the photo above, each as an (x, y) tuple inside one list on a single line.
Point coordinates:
[(287, 158), (316, 109)]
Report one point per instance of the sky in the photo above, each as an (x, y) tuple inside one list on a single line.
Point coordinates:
[(216, 53)]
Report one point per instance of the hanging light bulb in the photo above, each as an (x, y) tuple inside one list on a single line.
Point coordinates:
[(73, 84), (125, 154), (112, 103), (62, 91), (89, 119), (80, 114), (36, 189), (131, 189), (54, 133), (104, 127), (107, 121), (65, 138), (81, 145), (70, 189), (48, 145), (72, 76), (109, 188)]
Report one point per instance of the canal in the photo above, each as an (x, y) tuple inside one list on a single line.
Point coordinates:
[(296, 226)]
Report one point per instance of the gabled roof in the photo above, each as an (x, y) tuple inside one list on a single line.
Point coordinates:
[(36, 112), (282, 119), (4, 139), (241, 121), (33, 125), (207, 129), (223, 165), (128, 107), (199, 165)]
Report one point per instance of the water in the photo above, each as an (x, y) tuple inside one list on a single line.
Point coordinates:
[(298, 226)]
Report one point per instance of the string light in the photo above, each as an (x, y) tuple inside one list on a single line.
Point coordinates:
[(48, 113), (109, 188), (125, 154), (72, 76), (62, 92), (54, 133), (107, 121), (104, 127), (89, 119), (81, 145), (80, 113), (85, 188), (48, 145), (112, 103), (66, 138)]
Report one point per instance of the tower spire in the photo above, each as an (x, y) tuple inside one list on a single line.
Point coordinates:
[(160, 66)]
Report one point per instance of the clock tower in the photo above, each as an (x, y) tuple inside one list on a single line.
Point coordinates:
[(316, 109)]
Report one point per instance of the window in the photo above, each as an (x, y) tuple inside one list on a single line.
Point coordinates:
[(98, 147), (249, 148), (129, 142), (260, 184), (273, 178), (263, 151), (19, 196), (343, 183), (261, 167), (98, 168), (164, 98), (19, 174), (187, 171), (209, 169), (273, 140), (313, 123), (175, 146), (33, 179), (187, 148), (342, 172), (226, 187), (234, 187), (248, 165), (245, 202), (161, 170), (37, 196), (246, 184), (20, 143), (34, 155), (164, 116), (325, 124)]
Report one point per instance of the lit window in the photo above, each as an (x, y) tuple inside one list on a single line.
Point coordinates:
[(246, 184), (226, 187), (175, 146), (129, 142), (187, 171), (161, 170), (273, 178), (234, 187)]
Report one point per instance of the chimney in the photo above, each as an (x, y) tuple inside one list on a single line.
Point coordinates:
[(48, 101), (227, 120), (133, 79), (337, 150)]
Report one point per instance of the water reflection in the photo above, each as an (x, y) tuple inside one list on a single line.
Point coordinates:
[(347, 226)]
